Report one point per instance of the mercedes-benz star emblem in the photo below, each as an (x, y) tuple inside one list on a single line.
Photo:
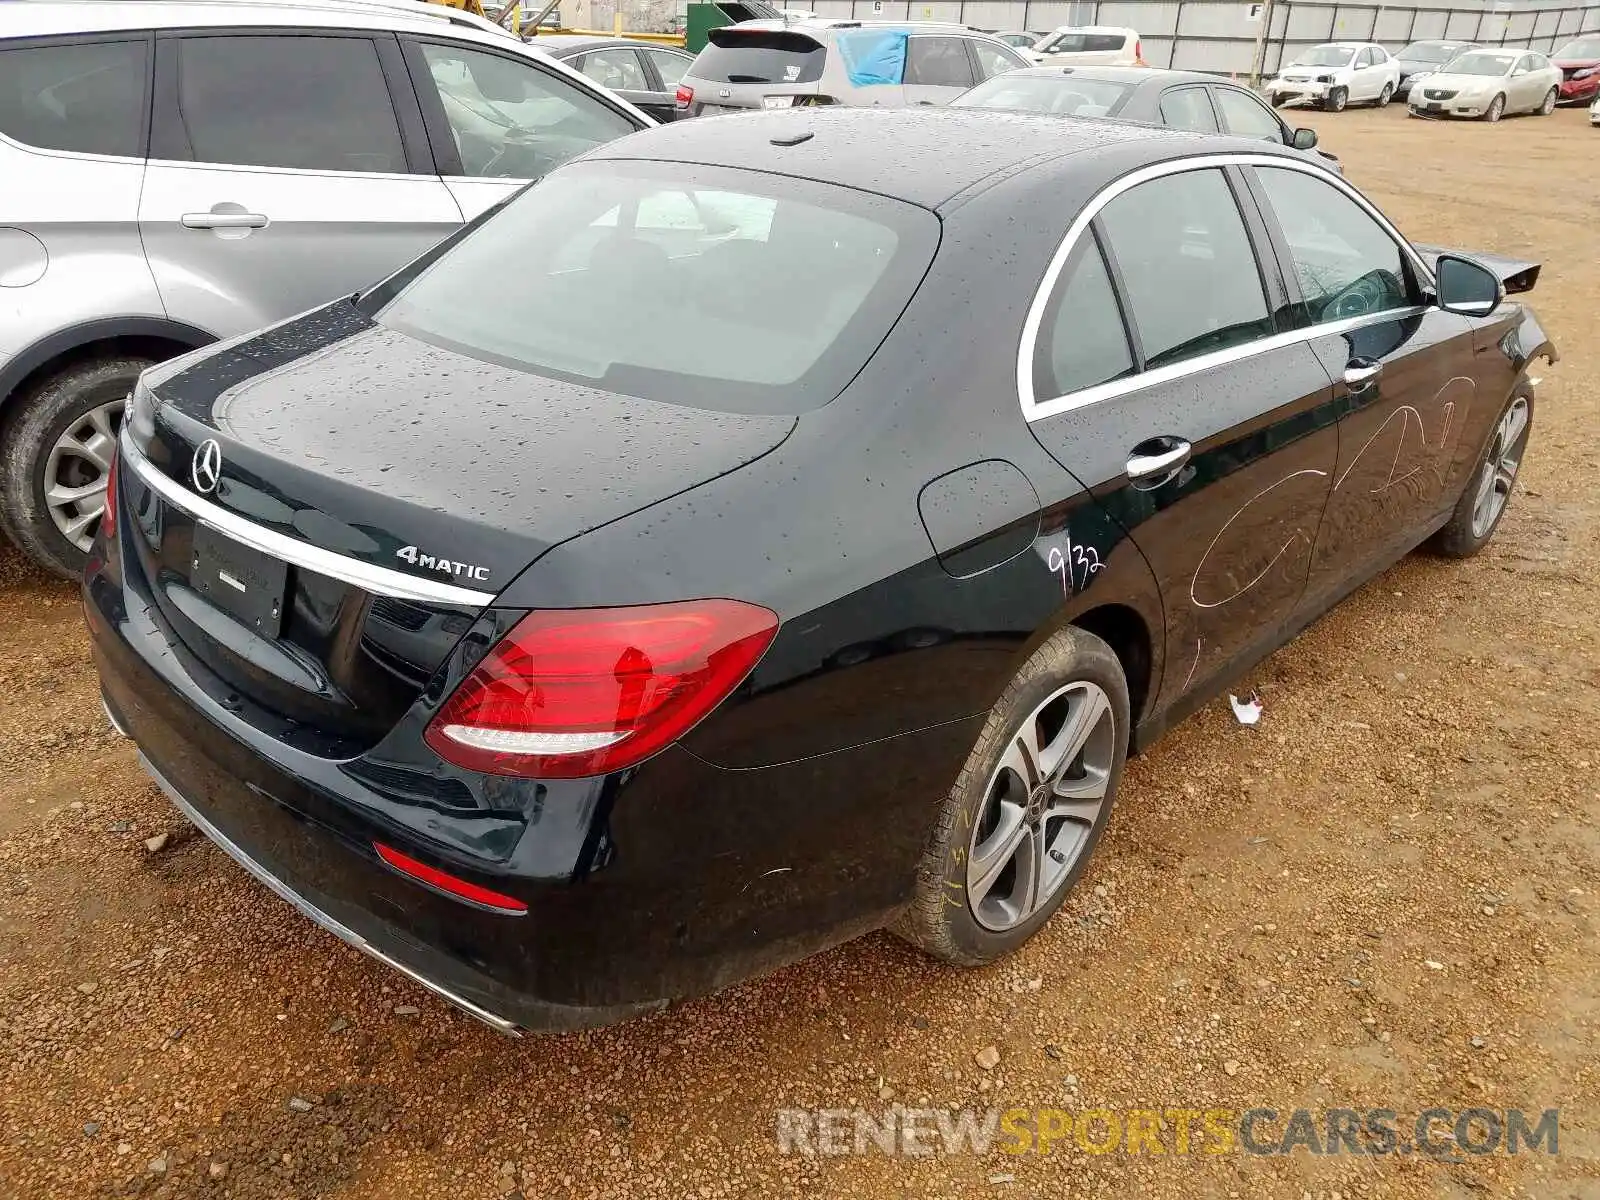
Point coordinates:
[(206, 469)]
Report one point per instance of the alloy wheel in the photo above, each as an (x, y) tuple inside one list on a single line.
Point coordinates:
[(1499, 472), (76, 469), (1337, 98), (1549, 105), (1386, 95), (1041, 805), (1497, 107)]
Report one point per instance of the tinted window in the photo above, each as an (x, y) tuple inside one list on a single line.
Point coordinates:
[(706, 286), (1081, 341), (316, 103), (938, 62), (671, 67), (1188, 108), (88, 97), (1067, 94), (1077, 43), (1245, 116), (993, 60), (759, 56), (510, 120), (1347, 263), (617, 69), (1186, 261)]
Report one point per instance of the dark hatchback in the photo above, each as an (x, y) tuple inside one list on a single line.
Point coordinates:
[(814, 562)]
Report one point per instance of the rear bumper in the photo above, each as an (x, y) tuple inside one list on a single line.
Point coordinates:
[(675, 880)]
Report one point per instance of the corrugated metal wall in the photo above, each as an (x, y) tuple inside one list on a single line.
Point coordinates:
[(1220, 35)]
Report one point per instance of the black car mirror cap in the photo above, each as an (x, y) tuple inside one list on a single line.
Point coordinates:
[(1467, 287), (1304, 139)]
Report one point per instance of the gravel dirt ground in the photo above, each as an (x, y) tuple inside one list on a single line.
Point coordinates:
[(1384, 895)]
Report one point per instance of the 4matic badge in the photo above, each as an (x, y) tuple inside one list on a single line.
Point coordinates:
[(459, 570)]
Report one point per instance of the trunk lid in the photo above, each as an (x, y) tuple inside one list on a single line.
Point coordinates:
[(325, 506)]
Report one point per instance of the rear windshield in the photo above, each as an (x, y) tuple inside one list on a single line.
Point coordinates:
[(1074, 42), (1430, 52), (1478, 63), (1068, 95), (707, 286), (759, 56)]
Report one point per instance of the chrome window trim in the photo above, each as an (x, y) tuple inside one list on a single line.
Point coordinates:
[(382, 581), (1034, 409)]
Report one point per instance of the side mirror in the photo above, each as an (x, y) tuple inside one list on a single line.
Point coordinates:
[(1467, 287), (1304, 139)]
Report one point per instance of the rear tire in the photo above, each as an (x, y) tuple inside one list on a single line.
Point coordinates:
[(58, 439), (1472, 524), (1385, 96), (1496, 110), (1549, 105), (1337, 99), (1041, 780)]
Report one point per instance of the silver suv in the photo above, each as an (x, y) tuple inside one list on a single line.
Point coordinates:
[(778, 64), (185, 171)]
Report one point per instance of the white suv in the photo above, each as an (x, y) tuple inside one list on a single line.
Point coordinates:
[(180, 172), (1337, 73)]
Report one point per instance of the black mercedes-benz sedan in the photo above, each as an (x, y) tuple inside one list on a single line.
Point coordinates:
[(854, 491)]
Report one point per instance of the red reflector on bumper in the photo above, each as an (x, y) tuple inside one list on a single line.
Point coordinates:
[(449, 884)]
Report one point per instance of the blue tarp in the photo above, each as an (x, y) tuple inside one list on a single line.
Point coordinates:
[(874, 55)]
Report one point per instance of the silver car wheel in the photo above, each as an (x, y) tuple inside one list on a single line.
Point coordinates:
[(1549, 105), (76, 470), (1041, 805), (1499, 472)]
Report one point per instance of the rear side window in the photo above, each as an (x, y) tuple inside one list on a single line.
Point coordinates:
[(313, 103), (617, 69), (1192, 282), (992, 59), (1188, 108), (938, 62), (87, 97), (759, 56), (1082, 341), (671, 67), (709, 287)]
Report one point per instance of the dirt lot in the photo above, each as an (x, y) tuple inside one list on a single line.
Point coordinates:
[(1385, 895)]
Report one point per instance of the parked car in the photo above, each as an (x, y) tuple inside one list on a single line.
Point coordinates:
[(1020, 40), (294, 152), (643, 74), (1421, 59), (1579, 61), (752, 65), (1177, 99), (1110, 45), (1594, 111), (1337, 73), (645, 754), (1489, 84)]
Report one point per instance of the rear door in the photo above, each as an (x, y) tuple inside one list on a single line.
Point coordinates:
[(497, 119), (669, 67), (1528, 85), (1404, 371), (989, 59), (285, 168), (938, 69), (1208, 434)]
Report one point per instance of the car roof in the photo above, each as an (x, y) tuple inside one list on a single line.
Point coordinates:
[(1094, 29), (1113, 74), (925, 156), (816, 26), (38, 18)]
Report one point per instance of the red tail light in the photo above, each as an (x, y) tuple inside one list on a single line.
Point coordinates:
[(575, 692), (684, 96), (1138, 54), (108, 519), (447, 883)]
